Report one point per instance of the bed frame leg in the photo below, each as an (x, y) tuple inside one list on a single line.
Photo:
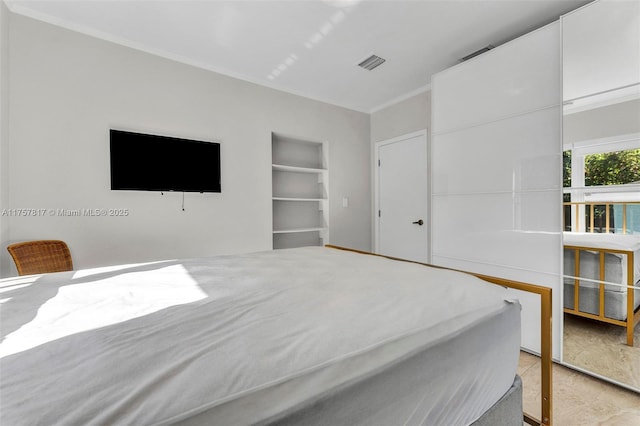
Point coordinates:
[(631, 315), (546, 332)]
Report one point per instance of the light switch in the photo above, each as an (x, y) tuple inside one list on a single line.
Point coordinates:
[(345, 202)]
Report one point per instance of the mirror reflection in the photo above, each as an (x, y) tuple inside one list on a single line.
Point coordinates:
[(601, 180)]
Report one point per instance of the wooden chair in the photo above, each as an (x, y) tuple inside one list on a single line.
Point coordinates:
[(39, 257)]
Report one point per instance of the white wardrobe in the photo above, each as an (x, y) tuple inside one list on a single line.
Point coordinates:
[(496, 147), (496, 169)]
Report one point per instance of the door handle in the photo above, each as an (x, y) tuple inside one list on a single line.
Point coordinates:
[(418, 222)]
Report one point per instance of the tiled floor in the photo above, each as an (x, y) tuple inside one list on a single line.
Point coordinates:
[(601, 348), (578, 399)]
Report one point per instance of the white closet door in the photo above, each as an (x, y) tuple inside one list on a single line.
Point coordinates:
[(496, 169), (590, 65), (515, 78)]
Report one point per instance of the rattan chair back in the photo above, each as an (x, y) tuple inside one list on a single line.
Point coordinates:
[(39, 257)]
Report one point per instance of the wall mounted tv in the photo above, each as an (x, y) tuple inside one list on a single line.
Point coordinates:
[(159, 163)]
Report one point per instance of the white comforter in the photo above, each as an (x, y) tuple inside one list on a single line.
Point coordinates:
[(158, 342)]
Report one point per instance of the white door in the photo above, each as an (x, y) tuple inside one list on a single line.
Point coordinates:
[(401, 199)]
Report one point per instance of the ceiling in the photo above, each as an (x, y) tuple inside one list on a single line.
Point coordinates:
[(309, 47)]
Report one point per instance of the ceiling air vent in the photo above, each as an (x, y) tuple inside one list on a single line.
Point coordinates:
[(371, 62), (477, 52)]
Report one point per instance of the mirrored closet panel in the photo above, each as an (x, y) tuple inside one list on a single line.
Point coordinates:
[(601, 194)]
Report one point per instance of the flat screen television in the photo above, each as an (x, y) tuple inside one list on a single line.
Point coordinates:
[(143, 162)]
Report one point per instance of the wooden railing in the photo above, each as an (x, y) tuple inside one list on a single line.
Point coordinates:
[(602, 223)]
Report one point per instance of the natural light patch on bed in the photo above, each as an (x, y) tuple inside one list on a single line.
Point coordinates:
[(106, 269), (13, 288), (13, 283), (10, 285), (101, 298)]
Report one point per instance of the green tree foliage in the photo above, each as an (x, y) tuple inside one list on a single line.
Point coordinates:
[(566, 177), (611, 168), (566, 169)]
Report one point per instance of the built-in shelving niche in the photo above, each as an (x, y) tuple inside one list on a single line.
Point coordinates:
[(300, 180)]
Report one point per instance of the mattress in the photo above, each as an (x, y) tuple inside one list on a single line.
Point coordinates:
[(615, 272), (255, 339), (615, 264)]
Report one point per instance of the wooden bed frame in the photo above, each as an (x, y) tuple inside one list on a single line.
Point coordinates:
[(632, 318), (545, 331)]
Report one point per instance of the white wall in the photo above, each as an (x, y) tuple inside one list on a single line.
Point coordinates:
[(4, 135), (68, 89), (408, 116), (603, 122)]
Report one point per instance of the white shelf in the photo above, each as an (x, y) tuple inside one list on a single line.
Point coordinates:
[(295, 169), (300, 192), (297, 199), (295, 230)]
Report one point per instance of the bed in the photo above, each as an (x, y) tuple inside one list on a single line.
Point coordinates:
[(309, 336), (599, 269)]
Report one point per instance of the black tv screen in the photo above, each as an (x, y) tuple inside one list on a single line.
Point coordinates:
[(159, 163)]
